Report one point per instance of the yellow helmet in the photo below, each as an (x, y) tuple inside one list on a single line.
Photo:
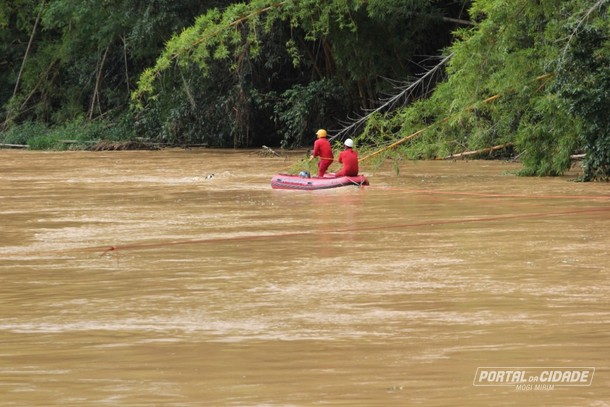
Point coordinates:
[(321, 133)]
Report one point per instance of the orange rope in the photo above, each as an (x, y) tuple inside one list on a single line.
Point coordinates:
[(402, 140), (306, 162), (145, 246), (419, 132)]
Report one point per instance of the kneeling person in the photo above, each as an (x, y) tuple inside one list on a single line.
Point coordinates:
[(349, 159)]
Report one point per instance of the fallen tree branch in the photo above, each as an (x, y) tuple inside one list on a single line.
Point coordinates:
[(421, 131), (392, 101), (271, 151), (476, 152), (14, 146)]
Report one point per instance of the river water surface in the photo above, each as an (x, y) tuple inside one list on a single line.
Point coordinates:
[(138, 279)]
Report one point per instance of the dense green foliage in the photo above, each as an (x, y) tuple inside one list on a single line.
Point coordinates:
[(583, 82), (532, 75), (544, 65), (223, 73), (275, 71), (71, 62)]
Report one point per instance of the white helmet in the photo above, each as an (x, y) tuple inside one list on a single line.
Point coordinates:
[(349, 143)]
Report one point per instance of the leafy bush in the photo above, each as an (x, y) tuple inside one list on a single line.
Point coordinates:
[(303, 109), (583, 81), (78, 133), (535, 74), (547, 136), (49, 141), (22, 133)]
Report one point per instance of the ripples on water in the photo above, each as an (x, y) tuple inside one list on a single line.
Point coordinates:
[(133, 278)]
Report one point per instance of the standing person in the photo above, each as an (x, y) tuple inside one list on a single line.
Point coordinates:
[(322, 149), (349, 159)]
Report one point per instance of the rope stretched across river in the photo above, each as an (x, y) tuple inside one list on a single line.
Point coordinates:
[(153, 245), (421, 131)]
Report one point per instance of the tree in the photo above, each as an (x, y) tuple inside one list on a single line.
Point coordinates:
[(221, 72), (532, 74), (583, 82), (85, 56), (287, 60)]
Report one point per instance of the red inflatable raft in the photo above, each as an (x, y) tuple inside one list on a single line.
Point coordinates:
[(286, 181)]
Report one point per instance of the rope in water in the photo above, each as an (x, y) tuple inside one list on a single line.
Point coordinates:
[(153, 245)]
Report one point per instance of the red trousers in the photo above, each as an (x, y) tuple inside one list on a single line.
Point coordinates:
[(323, 166)]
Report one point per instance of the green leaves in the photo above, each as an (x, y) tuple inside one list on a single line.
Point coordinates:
[(301, 107), (506, 58), (583, 83), (278, 55), (85, 57)]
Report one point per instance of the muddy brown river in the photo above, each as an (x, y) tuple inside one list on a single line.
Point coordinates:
[(138, 279)]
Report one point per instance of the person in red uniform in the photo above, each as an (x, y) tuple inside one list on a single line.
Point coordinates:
[(349, 159), (322, 149)]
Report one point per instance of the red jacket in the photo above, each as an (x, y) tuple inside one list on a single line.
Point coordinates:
[(349, 159), (322, 149)]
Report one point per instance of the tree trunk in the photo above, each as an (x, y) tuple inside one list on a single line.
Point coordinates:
[(27, 50), (481, 151), (126, 66), (98, 81)]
